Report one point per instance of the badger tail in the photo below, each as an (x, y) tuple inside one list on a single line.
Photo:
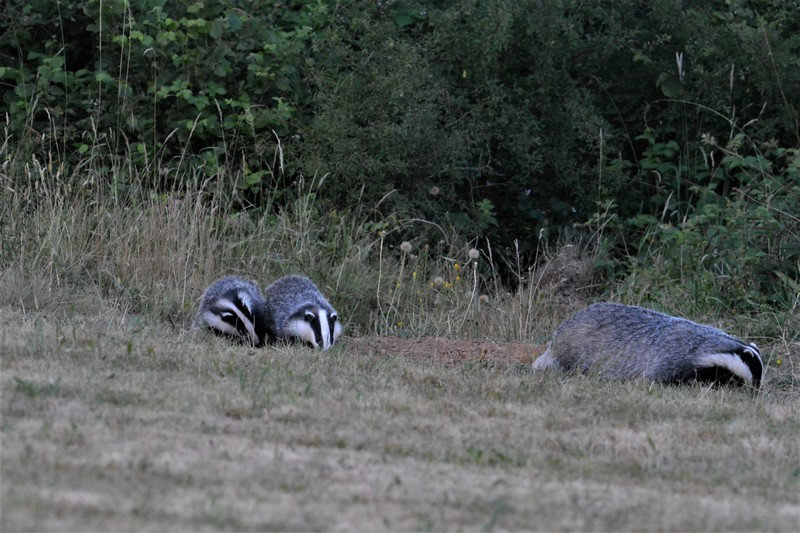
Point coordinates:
[(546, 360)]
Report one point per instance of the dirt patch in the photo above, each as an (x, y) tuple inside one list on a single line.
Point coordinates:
[(450, 351)]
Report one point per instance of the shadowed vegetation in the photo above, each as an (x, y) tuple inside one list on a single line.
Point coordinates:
[(471, 171)]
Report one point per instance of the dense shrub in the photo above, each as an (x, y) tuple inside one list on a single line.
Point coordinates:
[(150, 78), (647, 122)]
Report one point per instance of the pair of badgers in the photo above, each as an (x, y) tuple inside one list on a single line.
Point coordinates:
[(628, 342), (291, 309)]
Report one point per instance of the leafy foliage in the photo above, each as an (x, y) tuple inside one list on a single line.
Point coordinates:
[(147, 77), (511, 121)]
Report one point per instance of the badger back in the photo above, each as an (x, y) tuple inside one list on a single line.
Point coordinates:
[(299, 311)]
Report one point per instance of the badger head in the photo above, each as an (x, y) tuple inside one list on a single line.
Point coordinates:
[(232, 315), (743, 364), (315, 326)]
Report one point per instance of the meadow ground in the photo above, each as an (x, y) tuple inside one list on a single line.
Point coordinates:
[(115, 416), (113, 421)]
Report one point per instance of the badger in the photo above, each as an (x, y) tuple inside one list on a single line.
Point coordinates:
[(298, 311), (234, 307), (629, 342)]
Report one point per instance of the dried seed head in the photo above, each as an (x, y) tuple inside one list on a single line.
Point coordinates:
[(484, 299), (434, 191), (438, 281), (405, 247), (473, 254)]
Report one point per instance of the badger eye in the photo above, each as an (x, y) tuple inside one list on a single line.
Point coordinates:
[(309, 317), (333, 319)]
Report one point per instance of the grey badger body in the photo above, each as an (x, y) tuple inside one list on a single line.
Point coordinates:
[(298, 311), (234, 307), (628, 342)]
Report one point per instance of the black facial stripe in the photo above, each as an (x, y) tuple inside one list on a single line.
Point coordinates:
[(222, 308), (753, 363), (332, 324), (234, 320), (237, 301), (315, 325)]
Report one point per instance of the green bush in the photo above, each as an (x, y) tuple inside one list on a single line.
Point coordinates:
[(498, 119), (729, 254), (156, 79), (525, 115)]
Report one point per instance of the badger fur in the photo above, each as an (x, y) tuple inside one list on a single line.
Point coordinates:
[(297, 310), (628, 342), (234, 307)]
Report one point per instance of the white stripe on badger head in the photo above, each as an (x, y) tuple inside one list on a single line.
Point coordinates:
[(324, 328), (753, 349), (302, 330), (246, 301), (729, 361), (251, 332), (215, 321)]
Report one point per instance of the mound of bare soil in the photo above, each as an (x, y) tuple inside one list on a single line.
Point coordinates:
[(450, 351)]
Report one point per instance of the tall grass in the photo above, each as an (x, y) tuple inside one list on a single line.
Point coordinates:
[(99, 232)]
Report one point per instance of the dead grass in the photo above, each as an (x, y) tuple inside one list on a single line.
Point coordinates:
[(112, 421), (114, 416)]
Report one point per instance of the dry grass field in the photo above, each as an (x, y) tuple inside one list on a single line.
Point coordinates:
[(426, 416), (111, 421)]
